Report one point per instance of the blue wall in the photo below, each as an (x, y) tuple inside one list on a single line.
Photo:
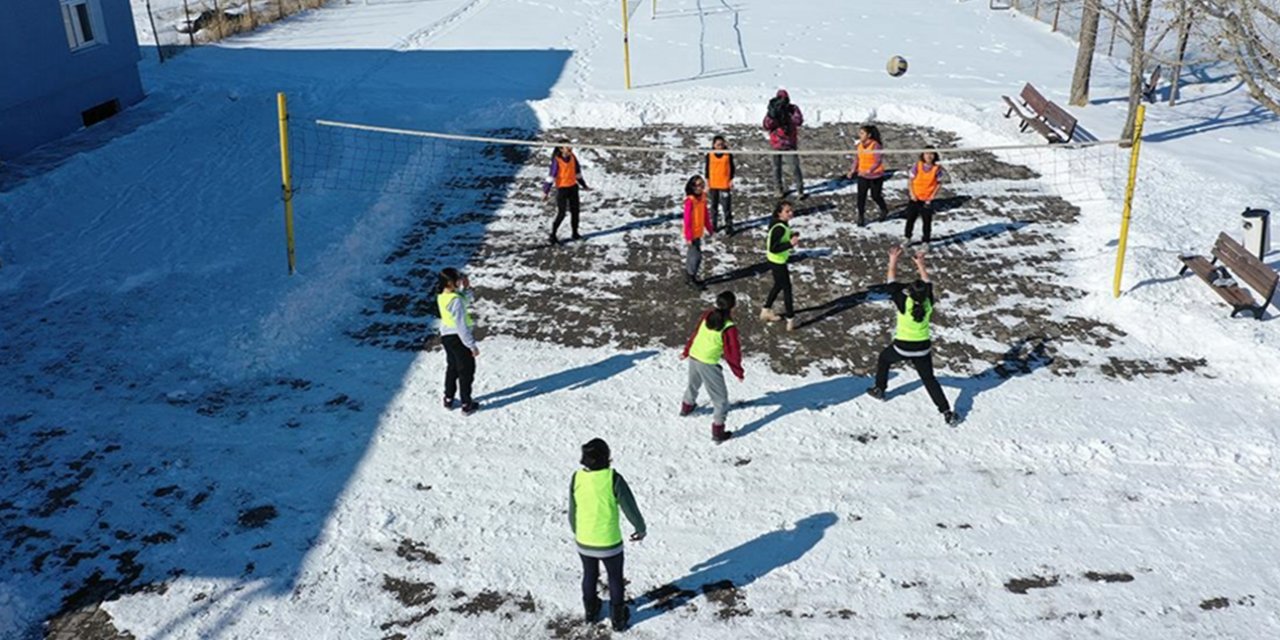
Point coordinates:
[(44, 85)]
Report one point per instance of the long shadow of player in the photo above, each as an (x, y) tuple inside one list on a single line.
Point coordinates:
[(1022, 358), (575, 378), (720, 577), (816, 396)]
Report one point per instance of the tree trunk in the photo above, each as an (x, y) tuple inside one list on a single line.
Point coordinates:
[(1183, 33), (1084, 53), (1139, 17)]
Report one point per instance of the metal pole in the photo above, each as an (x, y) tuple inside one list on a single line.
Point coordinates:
[(286, 179), (191, 28), (626, 44), (155, 34), (1128, 197)]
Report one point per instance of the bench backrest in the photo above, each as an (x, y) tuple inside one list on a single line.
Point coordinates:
[(1032, 98), (1246, 266), (1058, 118)]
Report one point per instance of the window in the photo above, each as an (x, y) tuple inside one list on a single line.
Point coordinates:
[(81, 19)]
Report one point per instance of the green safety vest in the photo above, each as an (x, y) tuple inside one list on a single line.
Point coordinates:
[(908, 329), (446, 318), (708, 344), (778, 258), (596, 522)]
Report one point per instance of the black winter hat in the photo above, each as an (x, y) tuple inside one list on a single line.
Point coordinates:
[(595, 454)]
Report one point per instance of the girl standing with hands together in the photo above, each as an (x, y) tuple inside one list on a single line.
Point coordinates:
[(868, 168)]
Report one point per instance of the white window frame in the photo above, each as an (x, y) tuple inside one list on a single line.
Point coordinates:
[(74, 13)]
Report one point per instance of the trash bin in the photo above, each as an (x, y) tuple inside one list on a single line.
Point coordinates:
[(1257, 231)]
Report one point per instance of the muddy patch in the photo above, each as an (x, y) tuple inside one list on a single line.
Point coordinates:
[(998, 259), (731, 602), (1097, 576), (414, 551), (1022, 585)]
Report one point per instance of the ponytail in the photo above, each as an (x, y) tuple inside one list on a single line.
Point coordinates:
[(725, 302), (919, 297)]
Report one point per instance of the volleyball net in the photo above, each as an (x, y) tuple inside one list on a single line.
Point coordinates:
[(346, 156)]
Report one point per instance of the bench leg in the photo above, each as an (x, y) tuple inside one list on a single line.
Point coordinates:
[(1183, 270)]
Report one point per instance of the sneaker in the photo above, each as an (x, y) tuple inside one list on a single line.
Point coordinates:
[(686, 409), (448, 403), (876, 392), (804, 196), (575, 236), (470, 408), (884, 215), (952, 418), (791, 324), (554, 241), (591, 611), (728, 229), (768, 315), (621, 617)]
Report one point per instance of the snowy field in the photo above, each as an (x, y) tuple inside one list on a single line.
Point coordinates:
[(195, 445)]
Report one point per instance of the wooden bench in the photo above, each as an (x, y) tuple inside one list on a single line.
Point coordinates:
[(1236, 260), (1048, 119)]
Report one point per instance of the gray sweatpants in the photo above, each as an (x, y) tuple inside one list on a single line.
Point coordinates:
[(693, 258), (711, 375), (795, 166)]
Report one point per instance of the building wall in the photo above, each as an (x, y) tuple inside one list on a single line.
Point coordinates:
[(45, 86)]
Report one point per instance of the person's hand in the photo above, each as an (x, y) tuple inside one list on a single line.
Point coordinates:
[(895, 252), (475, 352), (546, 196), (637, 536), (795, 242), (741, 379), (466, 282), (848, 175), (684, 356), (586, 188)]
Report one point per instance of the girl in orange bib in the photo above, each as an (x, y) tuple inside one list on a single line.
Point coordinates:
[(697, 223), (922, 183), (868, 168), (720, 183)]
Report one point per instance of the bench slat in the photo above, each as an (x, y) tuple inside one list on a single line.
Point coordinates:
[(1239, 298), (1247, 266)]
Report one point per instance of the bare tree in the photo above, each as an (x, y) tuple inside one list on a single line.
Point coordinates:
[(1084, 54), (1136, 22), (1250, 39)]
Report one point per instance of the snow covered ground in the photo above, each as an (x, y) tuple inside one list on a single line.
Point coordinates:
[(196, 445)]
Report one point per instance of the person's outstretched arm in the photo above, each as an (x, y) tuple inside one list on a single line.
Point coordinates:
[(891, 275), (920, 268)]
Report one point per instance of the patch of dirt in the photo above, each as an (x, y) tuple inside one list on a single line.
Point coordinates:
[(915, 615), (997, 256), (1096, 614), (1223, 603), (843, 614), (414, 551), (409, 593), (1108, 577), (731, 601), (574, 628), (668, 597), (257, 517), (486, 601), (1022, 585)]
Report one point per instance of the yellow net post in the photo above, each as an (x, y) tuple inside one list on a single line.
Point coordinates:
[(626, 44), (1128, 196), (654, 13), (286, 179)]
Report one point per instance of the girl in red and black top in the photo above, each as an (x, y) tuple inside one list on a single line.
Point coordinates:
[(566, 177), (714, 340), (868, 168), (922, 183)]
